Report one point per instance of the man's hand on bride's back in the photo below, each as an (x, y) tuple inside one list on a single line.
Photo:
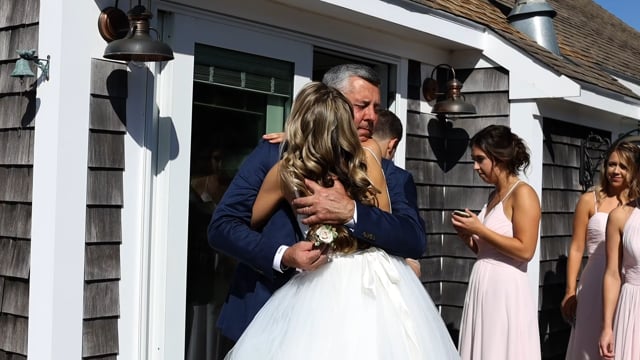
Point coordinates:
[(326, 205), (303, 255)]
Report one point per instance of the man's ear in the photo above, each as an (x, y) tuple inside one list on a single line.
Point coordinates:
[(392, 145)]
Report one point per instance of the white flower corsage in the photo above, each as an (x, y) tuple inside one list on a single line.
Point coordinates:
[(325, 234)]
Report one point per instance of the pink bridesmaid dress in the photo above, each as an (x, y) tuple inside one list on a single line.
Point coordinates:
[(499, 319), (626, 325), (585, 334)]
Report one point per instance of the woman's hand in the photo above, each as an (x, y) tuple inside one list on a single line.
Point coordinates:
[(568, 307), (465, 225), (606, 344)]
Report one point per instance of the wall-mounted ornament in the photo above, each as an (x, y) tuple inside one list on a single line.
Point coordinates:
[(23, 67)]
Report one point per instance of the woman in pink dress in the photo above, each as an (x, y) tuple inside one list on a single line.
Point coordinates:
[(583, 307), (620, 337), (499, 319)]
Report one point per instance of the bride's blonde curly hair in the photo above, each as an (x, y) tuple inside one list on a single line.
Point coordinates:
[(322, 145)]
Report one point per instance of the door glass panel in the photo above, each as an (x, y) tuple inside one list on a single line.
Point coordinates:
[(237, 97)]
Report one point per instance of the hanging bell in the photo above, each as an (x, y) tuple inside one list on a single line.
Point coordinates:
[(22, 69)]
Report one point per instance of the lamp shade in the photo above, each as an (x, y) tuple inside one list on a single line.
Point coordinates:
[(453, 106), (137, 45), (454, 103)]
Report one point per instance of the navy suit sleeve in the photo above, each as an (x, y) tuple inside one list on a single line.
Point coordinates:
[(401, 232), (230, 231)]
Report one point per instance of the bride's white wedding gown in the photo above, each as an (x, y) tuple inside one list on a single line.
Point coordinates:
[(365, 305)]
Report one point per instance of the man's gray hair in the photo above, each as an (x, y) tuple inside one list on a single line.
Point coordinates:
[(338, 75)]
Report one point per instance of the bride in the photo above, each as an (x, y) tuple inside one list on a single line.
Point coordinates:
[(363, 304)]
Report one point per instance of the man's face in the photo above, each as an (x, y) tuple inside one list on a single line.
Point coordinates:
[(365, 99)]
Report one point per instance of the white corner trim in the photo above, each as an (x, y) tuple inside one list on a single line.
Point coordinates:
[(60, 153), (401, 110)]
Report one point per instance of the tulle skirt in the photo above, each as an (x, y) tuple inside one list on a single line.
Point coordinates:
[(366, 305)]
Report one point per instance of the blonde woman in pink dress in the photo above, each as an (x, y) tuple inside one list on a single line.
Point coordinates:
[(499, 319), (582, 307), (620, 337)]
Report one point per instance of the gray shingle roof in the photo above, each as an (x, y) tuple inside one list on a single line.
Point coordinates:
[(594, 43)]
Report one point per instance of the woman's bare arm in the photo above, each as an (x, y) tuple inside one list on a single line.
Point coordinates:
[(612, 280), (525, 216), (268, 197), (581, 215), (375, 173)]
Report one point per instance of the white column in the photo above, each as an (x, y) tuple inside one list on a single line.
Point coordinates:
[(527, 123), (401, 106), (136, 224), (60, 181)]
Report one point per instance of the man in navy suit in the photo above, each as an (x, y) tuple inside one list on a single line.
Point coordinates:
[(268, 257)]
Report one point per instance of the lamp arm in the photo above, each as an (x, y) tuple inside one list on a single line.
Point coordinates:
[(431, 86), (157, 33), (443, 65), (43, 64)]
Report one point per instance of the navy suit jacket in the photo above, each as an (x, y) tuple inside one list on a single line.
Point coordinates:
[(401, 233)]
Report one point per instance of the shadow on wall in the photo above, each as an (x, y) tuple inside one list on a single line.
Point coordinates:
[(554, 331), (448, 144), (28, 105), (33, 104), (136, 128)]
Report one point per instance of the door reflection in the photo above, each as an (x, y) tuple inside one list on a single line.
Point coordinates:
[(237, 97)]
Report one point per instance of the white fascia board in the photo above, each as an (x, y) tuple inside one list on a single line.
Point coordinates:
[(528, 79), (608, 104), (427, 21), (630, 85), (319, 26)]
